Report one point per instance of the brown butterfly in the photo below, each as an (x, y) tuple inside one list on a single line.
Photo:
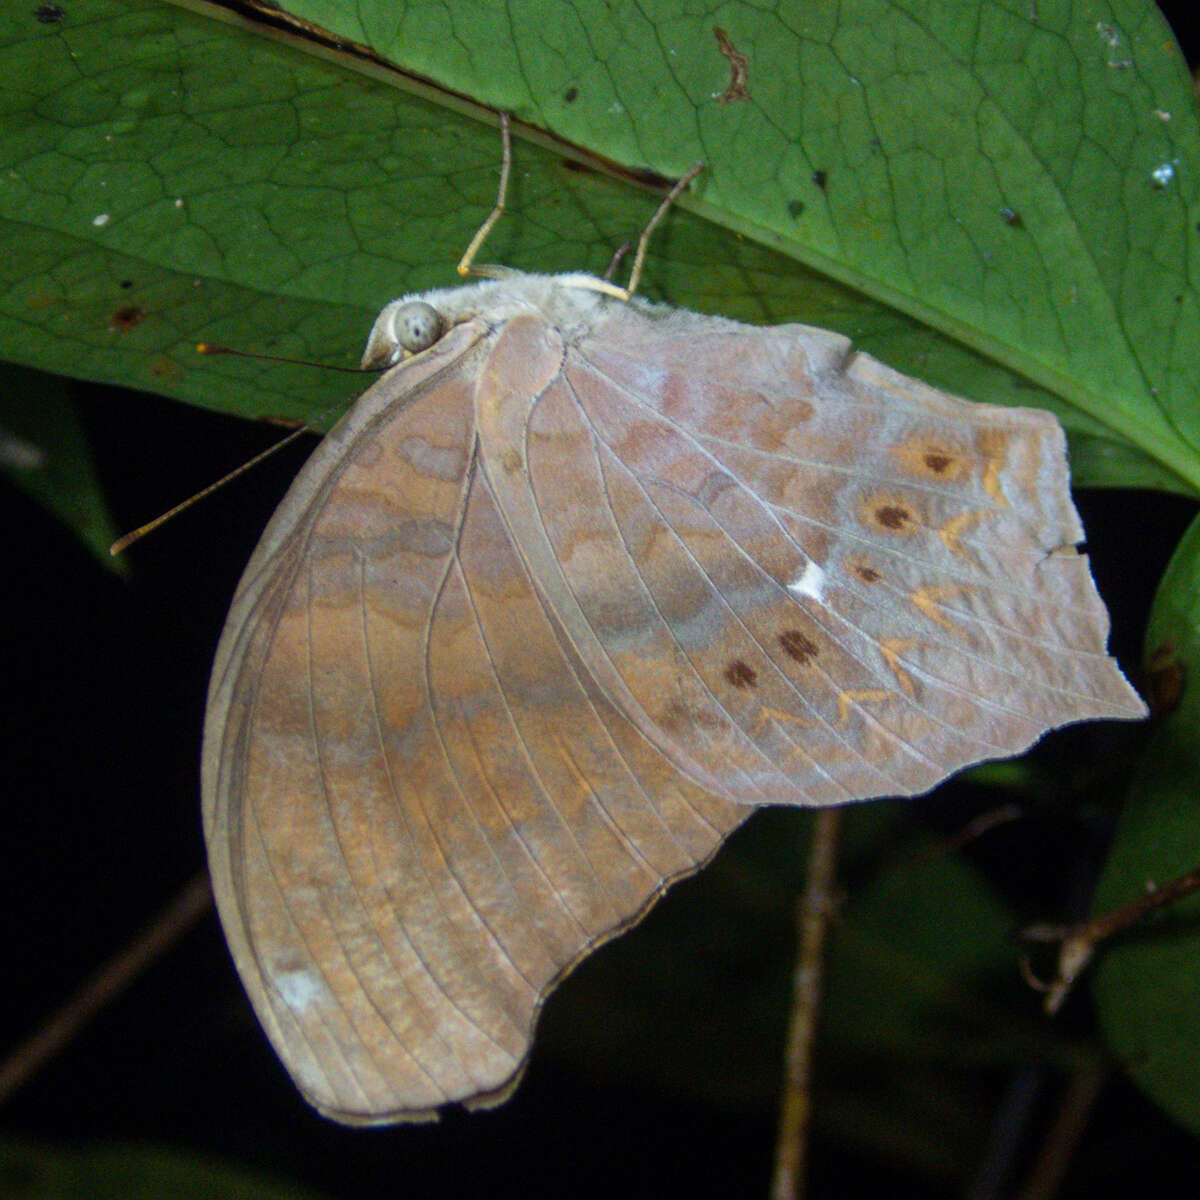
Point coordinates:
[(574, 587)]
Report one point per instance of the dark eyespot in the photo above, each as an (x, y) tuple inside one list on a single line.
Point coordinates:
[(741, 674), (798, 646), (892, 516), (417, 325)]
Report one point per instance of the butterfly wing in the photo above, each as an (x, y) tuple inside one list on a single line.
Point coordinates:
[(551, 610), (804, 577), (420, 810)]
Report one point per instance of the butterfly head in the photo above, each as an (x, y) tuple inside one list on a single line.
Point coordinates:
[(419, 321), (417, 326), (404, 328)]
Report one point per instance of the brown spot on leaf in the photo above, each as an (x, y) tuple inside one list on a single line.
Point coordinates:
[(739, 68), (571, 95), (799, 646), (741, 674), (125, 319), (164, 368)]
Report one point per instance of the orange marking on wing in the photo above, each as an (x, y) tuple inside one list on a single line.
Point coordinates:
[(796, 750), (867, 696), (568, 759), (928, 598), (993, 445), (891, 649), (932, 458), (991, 482), (767, 713), (955, 528)]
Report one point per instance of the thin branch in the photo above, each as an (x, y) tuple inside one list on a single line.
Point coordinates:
[(813, 913), (985, 822), (1062, 1139), (1078, 943), (107, 984)]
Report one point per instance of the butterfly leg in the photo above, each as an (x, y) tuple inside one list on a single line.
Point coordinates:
[(639, 257), (466, 265)]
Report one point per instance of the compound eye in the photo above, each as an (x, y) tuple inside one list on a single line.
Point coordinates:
[(417, 325)]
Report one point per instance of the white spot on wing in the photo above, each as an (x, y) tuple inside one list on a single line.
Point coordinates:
[(300, 989), (810, 582)]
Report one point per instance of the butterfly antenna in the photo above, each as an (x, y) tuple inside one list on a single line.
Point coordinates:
[(635, 274), (466, 265), (135, 535), (215, 348)]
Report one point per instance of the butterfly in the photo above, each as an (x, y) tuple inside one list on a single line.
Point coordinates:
[(577, 585)]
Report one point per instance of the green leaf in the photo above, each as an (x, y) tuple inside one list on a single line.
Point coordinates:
[(1147, 984), (1021, 182), (1001, 206), (44, 451)]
